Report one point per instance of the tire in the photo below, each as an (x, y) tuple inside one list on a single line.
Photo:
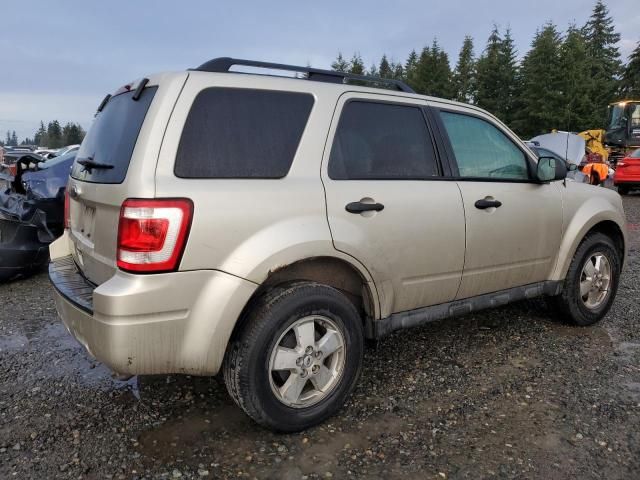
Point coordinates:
[(623, 190), (272, 320), (570, 305)]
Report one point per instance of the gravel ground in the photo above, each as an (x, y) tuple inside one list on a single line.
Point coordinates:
[(506, 393)]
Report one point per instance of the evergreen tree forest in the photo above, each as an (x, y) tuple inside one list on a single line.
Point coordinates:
[(564, 81)]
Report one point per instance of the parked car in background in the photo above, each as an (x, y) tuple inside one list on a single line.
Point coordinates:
[(265, 226), (31, 213), (627, 176)]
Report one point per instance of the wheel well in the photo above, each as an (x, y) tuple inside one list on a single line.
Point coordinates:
[(611, 230), (331, 271)]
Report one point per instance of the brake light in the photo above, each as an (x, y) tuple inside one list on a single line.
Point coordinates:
[(67, 210), (152, 234)]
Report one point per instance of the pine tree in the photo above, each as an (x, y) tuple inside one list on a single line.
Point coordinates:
[(40, 138), (630, 84), (7, 142), (464, 76), (373, 71), (356, 66), (410, 69), (508, 77), (488, 88), (576, 82), (385, 70), (433, 73), (14, 139), (340, 64), (398, 71), (604, 56), (54, 134), (542, 100)]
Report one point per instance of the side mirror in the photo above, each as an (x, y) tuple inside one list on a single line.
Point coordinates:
[(551, 169)]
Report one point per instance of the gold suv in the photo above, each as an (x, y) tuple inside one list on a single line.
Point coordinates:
[(265, 225)]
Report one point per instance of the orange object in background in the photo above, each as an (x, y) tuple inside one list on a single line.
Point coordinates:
[(597, 172)]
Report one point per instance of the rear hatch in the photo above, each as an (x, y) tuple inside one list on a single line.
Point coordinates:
[(116, 161)]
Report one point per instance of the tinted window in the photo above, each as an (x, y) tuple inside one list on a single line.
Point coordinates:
[(381, 141), (242, 133), (482, 150), (112, 136)]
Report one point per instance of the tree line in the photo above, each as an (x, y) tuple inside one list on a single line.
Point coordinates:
[(52, 136), (564, 81)]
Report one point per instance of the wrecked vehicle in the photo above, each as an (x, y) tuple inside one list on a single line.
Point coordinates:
[(31, 210)]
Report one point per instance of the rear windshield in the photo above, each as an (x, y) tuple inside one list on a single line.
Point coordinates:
[(111, 138), (242, 133)]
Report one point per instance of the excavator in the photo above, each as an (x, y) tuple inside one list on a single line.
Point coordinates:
[(621, 137), (622, 134)]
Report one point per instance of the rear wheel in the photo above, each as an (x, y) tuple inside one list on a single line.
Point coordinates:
[(297, 356), (591, 283), (623, 190)]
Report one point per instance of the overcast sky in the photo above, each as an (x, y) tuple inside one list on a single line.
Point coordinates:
[(59, 58)]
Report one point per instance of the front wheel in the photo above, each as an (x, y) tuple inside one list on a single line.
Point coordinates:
[(296, 357), (591, 283)]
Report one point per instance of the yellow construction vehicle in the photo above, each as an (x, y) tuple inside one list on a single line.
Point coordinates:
[(622, 134)]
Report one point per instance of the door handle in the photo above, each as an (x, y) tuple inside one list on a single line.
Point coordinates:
[(484, 204), (359, 207)]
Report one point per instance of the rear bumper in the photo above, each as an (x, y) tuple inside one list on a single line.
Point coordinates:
[(21, 250), (149, 324)]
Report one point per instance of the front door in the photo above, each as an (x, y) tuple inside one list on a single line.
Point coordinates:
[(387, 203), (514, 224)]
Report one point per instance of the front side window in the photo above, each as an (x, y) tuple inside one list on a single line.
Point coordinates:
[(242, 133), (482, 150), (381, 141)]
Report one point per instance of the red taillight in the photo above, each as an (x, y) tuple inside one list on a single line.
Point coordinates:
[(13, 169), (152, 234), (67, 213)]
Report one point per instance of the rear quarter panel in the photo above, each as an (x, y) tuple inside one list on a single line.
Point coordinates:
[(250, 227)]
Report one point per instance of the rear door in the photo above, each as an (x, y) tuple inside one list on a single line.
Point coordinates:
[(389, 204), (123, 142), (513, 224)]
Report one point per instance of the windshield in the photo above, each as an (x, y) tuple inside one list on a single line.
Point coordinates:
[(616, 115)]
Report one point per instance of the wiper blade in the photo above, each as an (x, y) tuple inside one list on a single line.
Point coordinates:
[(89, 164)]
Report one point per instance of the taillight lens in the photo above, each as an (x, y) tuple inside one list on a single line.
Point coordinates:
[(67, 212), (152, 234)]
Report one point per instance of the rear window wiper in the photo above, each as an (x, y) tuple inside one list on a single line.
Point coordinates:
[(89, 164)]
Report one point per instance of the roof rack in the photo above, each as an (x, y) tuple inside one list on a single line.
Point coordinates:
[(224, 64)]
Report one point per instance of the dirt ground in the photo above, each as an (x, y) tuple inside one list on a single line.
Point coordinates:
[(507, 393)]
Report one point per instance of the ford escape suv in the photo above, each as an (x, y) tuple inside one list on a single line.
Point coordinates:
[(265, 226)]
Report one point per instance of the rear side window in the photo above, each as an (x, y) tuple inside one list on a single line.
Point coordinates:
[(242, 133), (112, 137), (482, 150), (382, 141)]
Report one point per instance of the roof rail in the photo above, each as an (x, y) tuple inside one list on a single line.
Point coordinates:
[(224, 64)]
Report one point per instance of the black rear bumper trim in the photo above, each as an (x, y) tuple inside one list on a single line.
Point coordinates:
[(69, 282)]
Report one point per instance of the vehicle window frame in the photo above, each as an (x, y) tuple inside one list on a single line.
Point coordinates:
[(432, 138), (530, 163), (253, 89)]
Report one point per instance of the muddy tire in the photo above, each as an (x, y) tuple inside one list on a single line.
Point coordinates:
[(296, 356), (591, 283)]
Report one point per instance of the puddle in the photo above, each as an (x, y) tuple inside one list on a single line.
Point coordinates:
[(226, 435)]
